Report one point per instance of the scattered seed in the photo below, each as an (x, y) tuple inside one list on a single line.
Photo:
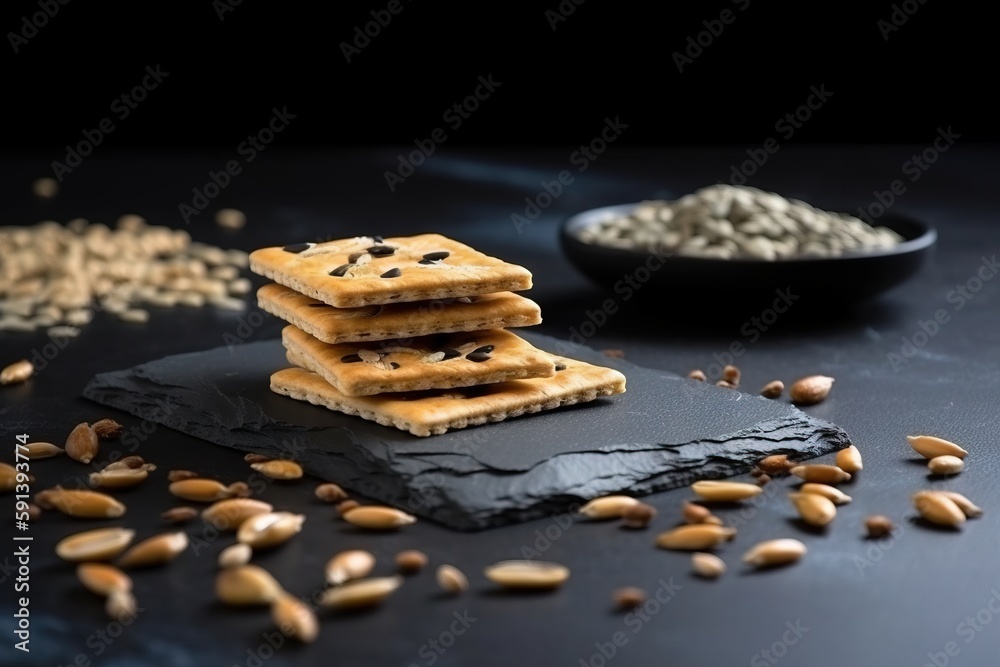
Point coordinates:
[(45, 187), (121, 606), (246, 585), (968, 507), (360, 593), (878, 525), (707, 565), (264, 531), (346, 506), (725, 384), (348, 565), (297, 247), (560, 367), (375, 517), (279, 469), (340, 271), (178, 475), (613, 353), (607, 507), (80, 503), (478, 357), (831, 493), (230, 218), (772, 553), (10, 477), (694, 514), (775, 464), (527, 574), (231, 513), (824, 474), (17, 372), (117, 479), (938, 509), (256, 458), (731, 374), (638, 515), (94, 545), (930, 447), (156, 550), (451, 580), (810, 390), (849, 459), (235, 555), (816, 510), (436, 256), (773, 389), (204, 490), (130, 462), (108, 429), (411, 561), (381, 250), (34, 512), (295, 619), (695, 537), (698, 374), (179, 514), (350, 358), (81, 445), (134, 315), (945, 465), (763, 480), (103, 579), (42, 450), (391, 273), (725, 491), (629, 597), (330, 493)]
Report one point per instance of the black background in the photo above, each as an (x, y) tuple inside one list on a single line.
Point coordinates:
[(605, 59)]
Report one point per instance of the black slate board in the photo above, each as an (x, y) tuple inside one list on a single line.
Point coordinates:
[(664, 432)]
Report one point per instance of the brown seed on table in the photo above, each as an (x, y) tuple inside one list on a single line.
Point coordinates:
[(94, 545), (346, 506), (17, 372), (451, 579), (156, 550), (375, 517), (695, 514), (816, 510), (246, 585), (725, 384), (108, 429), (411, 561), (264, 531), (178, 475), (638, 515), (42, 450), (629, 597), (810, 390), (698, 374), (360, 593), (34, 512), (117, 479), (731, 374), (235, 555), (121, 606), (831, 493), (722, 491), (945, 465), (294, 618), (695, 537), (10, 477), (824, 474), (878, 525), (348, 565), (772, 389), (775, 464), (278, 469), (230, 218), (930, 447), (103, 579), (45, 187), (230, 513), (938, 509), (849, 459), (81, 445), (256, 458), (81, 504), (763, 480), (204, 490), (707, 565), (179, 514), (130, 462), (527, 574), (774, 552), (968, 507), (613, 353), (330, 493), (607, 507)]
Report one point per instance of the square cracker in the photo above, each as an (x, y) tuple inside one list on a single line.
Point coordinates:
[(404, 365), (435, 411), (502, 310), (307, 268)]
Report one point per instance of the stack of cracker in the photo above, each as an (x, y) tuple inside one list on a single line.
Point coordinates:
[(411, 332)]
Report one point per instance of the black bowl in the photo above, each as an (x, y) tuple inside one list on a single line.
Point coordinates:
[(850, 277)]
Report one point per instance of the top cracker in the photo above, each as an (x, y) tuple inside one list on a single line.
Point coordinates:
[(368, 270)]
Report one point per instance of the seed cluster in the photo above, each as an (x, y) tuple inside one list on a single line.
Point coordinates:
[(807, 390), (56, 276), (471, 351), (736, 222)]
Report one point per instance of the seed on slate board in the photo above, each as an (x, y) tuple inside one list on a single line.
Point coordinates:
[(108, 429), (179, 514), (279, 469), (340, 270), (94, 545), (156, 550), (451, 579), (698, 374), (360, 593), (391, 273), (527, 574), (351, 358), (629, 597), (256, 458), (436, 256), (348, 565), (411, 561), (878, 526), (774, 552), (82, 444), (330, 492), (295, 618), (296, 247), (178, 475), (478, 356), (450, 353)]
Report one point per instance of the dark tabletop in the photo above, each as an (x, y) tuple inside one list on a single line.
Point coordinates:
[(925, 596)]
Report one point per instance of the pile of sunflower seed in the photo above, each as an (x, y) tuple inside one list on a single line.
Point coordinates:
[(56, 277), (737, 222)]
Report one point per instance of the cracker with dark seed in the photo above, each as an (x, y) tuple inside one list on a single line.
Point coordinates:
[(437, 411), (502, 310), (395, 270), (414, 364)]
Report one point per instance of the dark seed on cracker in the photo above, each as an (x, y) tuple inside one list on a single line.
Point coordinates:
[(351, 358), (391, 273), (381, 250), (340, 271), (297, 247), (378, 239), (393, 365), (477, 356), (560, 367), (485, 349), (450, 353), (354, 256), (437, 256)]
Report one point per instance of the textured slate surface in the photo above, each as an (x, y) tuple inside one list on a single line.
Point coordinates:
[(664, 432)]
